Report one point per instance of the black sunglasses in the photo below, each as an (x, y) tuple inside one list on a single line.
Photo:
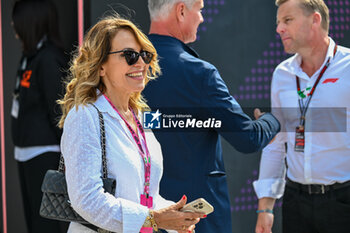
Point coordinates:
[(132, 56)]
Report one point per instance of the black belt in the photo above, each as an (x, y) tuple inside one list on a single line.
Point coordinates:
[(316, 188)]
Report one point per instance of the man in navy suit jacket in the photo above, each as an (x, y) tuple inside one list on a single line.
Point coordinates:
[(193, 162)]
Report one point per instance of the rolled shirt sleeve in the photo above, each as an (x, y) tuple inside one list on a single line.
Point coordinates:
[(271, 180), (272, 170)]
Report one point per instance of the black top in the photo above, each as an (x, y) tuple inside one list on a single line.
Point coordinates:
[(41, 84)]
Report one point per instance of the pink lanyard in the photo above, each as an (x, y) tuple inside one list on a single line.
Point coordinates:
[(146, 158)]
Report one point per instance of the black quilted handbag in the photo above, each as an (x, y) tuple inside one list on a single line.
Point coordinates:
[(55, 202)]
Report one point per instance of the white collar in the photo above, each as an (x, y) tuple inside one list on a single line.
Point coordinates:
[(295, 63), (104, 106)]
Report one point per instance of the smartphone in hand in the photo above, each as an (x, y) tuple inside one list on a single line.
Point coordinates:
[(199, 205)]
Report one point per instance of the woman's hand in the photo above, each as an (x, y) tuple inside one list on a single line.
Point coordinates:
[(171, 218)]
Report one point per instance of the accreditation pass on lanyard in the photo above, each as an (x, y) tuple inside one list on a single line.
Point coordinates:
[(145, 198), (299, 144)]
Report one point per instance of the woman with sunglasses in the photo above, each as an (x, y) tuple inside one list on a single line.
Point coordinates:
[(110, 70)]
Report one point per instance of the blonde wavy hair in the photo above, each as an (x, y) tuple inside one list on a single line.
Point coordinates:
[(84, 69)]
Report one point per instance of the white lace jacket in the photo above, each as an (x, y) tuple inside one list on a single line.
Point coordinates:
[(81, 149)]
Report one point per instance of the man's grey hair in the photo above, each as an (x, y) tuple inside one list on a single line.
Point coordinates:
[(159, 9)]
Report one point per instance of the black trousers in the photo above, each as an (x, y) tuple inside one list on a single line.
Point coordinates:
[(316, 213), (31, 174)]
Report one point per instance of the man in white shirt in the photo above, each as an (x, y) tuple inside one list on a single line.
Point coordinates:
[(309, 160)]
